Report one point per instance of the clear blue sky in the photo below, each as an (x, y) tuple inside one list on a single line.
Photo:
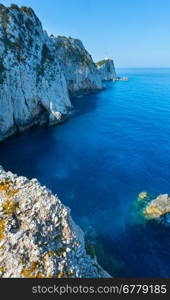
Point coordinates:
[(135, 33)]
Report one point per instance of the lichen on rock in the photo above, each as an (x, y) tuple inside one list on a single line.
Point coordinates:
[(159, 209), (38, 238), (148, 208)]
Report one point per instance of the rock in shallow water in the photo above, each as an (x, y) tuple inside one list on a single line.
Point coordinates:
[(159, 210), (158, 207), (38, 237)]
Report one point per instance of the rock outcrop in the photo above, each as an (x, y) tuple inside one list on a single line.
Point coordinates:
[(33, 88), (38, 237), (159, 210), (37, 71), (106, 69), (80, 72)]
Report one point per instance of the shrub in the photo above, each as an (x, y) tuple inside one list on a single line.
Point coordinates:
[(90, 250), (100, 63), (14, 6), (28, 10), (46, 55), (29, 24), (2, 70)]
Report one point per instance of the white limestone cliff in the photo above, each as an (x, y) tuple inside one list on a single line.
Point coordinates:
[(33, 88), (106, 69), (77, 64), (37, 71)]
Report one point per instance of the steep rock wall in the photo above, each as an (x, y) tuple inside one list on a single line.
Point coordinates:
[(106, 69), (77, 64), (38, 71), (33, 88)]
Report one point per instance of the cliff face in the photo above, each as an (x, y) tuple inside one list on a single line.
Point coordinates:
[(33, 88), (38, 237), (37, 71), (79, 69), (106, 69)]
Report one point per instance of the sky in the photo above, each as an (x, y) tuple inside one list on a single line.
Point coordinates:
[(135, 33)]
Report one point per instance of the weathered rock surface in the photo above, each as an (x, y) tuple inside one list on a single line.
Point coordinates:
[(33, 88), (37, 71), (159, 210), (80, 72), (106, 69), (38, 237)]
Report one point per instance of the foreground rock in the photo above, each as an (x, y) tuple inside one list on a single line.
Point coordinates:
[(38, 237), (159, 210)]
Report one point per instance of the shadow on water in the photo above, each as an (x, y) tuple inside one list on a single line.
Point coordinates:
[(137, 252), (22, 151), (81, 103)]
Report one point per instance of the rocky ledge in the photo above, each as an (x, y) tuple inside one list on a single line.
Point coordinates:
[(38, 238)]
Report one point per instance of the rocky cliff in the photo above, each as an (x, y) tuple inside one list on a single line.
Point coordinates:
[(37, 71), (80, 72), (38, 237), (106, 69), (33, 88)]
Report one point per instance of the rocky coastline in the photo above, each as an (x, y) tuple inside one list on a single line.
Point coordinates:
[(39, 73), (38, 76), (38, 238)]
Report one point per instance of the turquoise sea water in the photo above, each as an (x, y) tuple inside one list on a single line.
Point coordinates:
[(115, 145)]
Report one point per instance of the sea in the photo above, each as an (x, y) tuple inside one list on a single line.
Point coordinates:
[(115, 145)]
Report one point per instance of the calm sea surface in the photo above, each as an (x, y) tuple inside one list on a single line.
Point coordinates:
[(115, 145)]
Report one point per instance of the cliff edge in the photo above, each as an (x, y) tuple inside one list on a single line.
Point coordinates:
[(38, 238), (106, 69)]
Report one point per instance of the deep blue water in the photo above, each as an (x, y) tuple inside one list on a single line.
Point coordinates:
[(115, 145)]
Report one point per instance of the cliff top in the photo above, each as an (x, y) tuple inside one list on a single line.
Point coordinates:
[(103, 61), (25, 9)]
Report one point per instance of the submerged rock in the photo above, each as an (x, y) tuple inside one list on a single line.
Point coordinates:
[(138, 206), (38, 238)]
